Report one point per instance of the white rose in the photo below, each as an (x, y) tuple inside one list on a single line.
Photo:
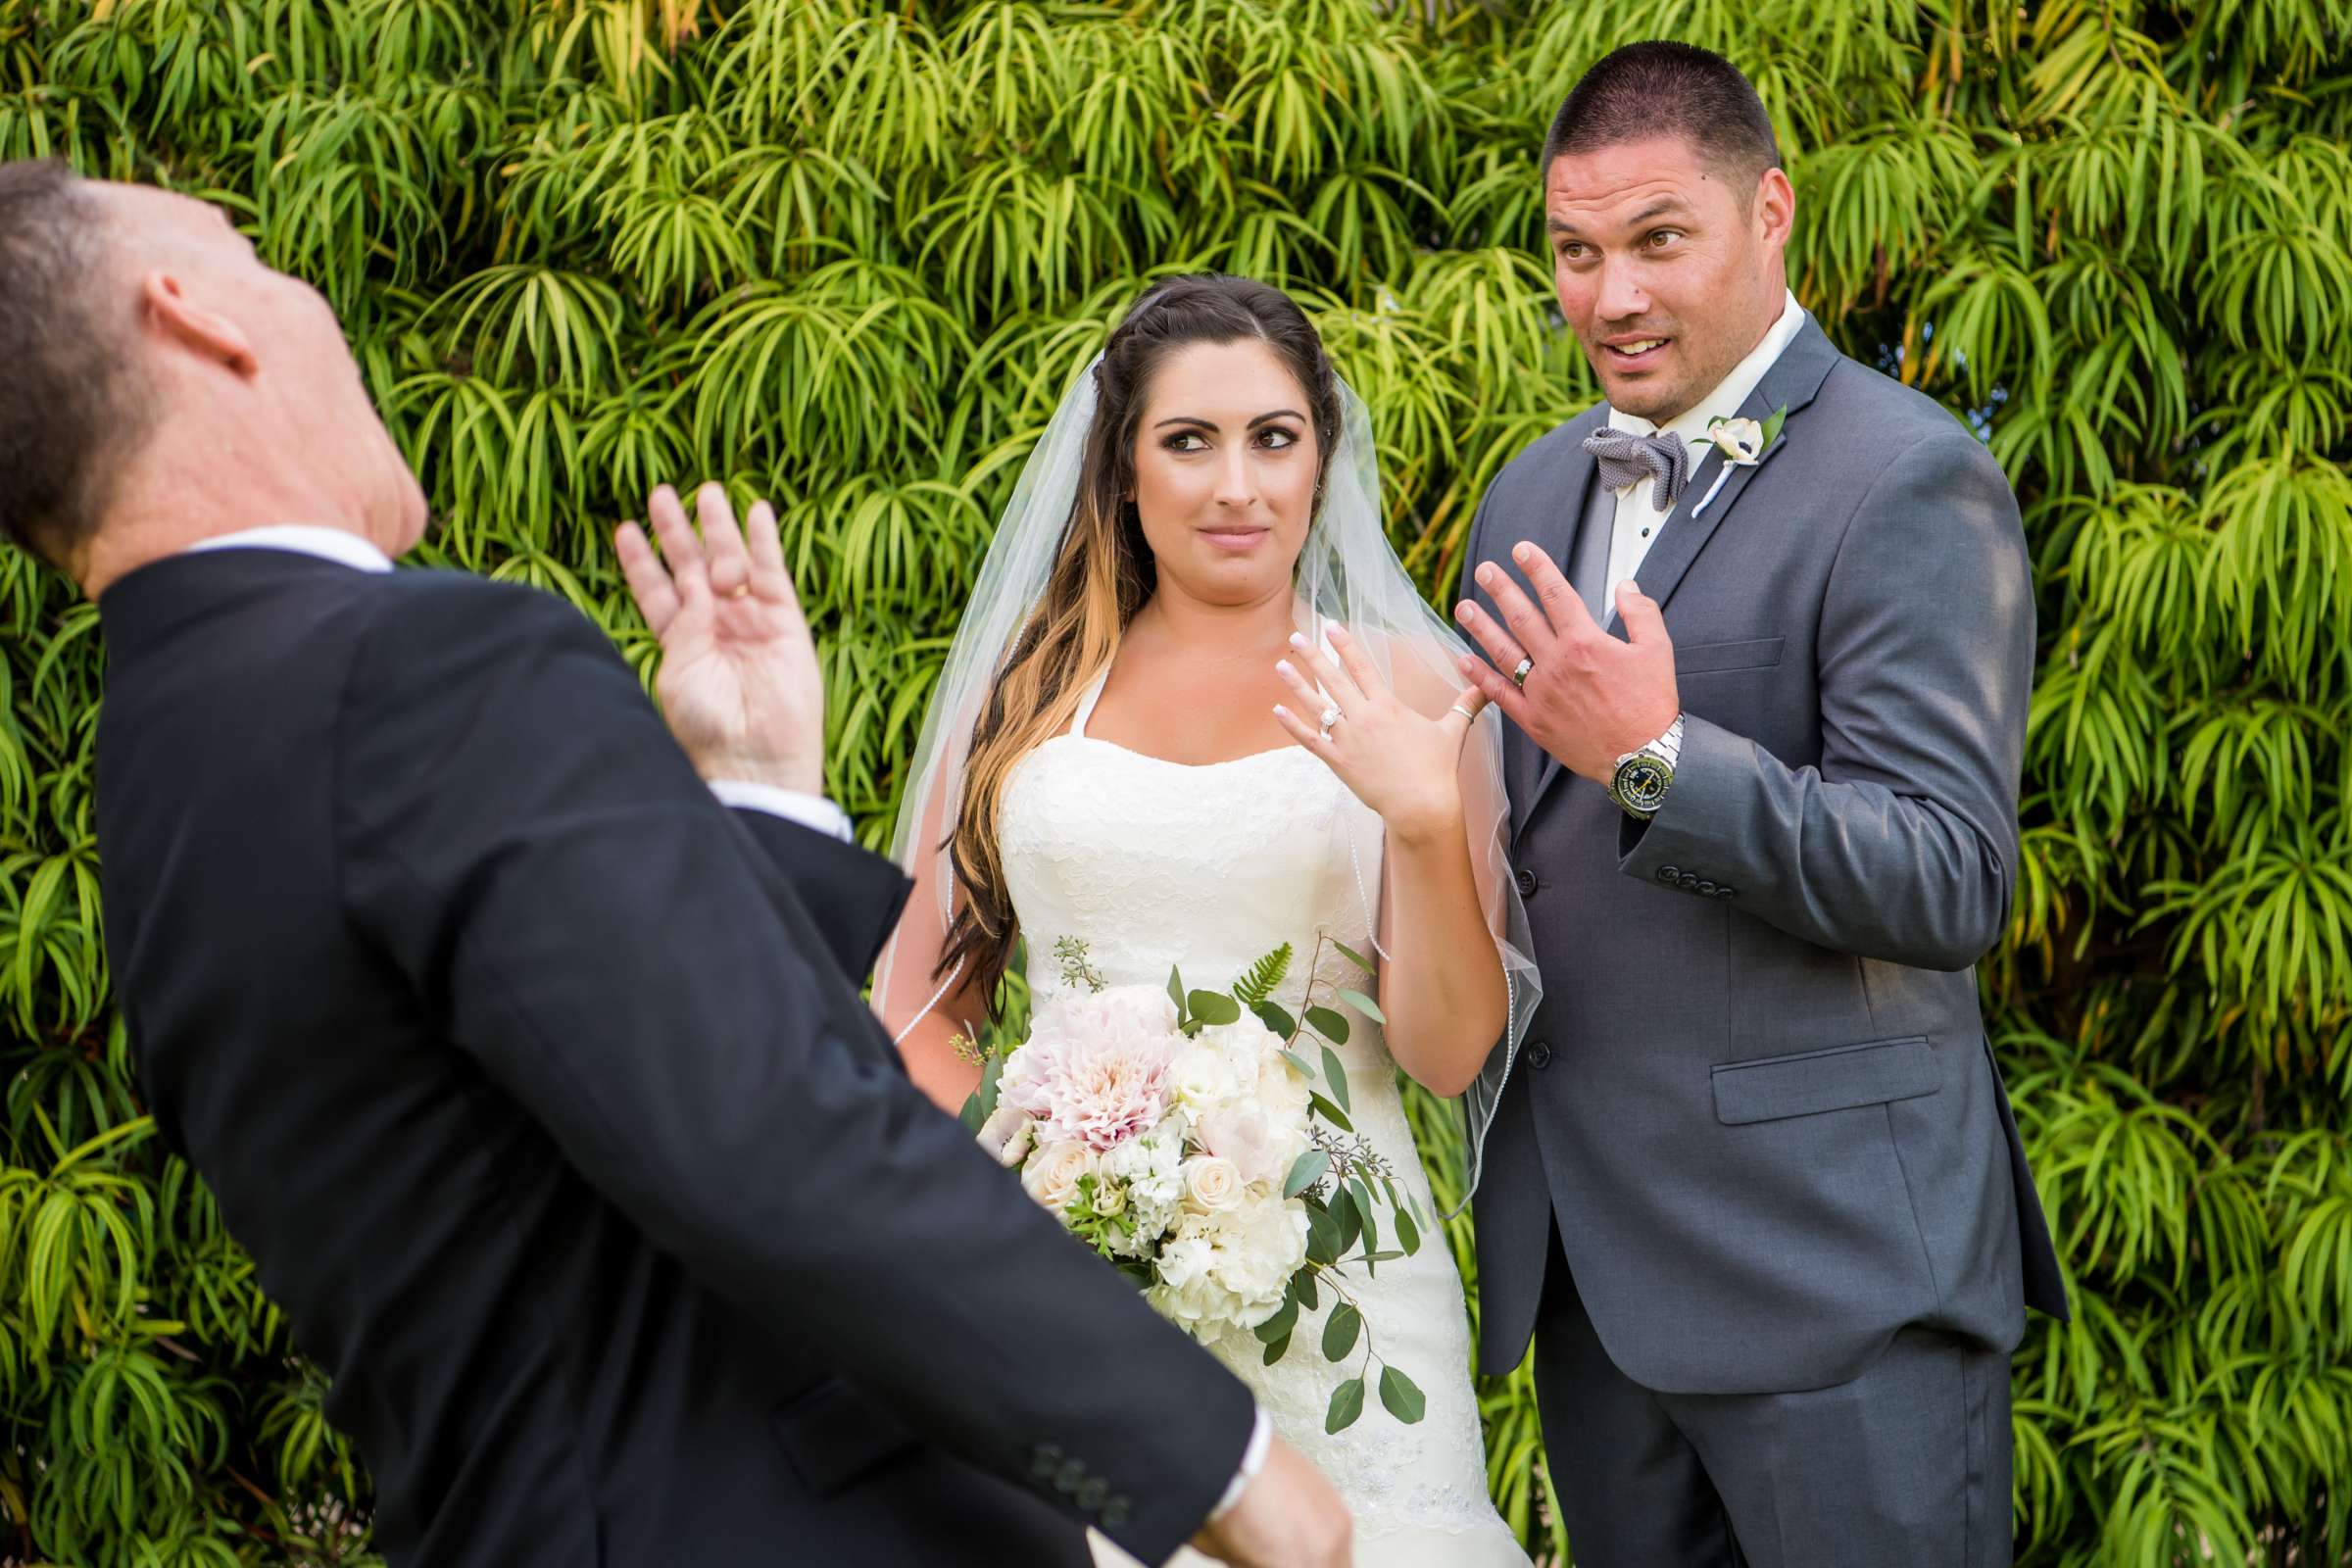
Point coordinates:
[(1202, 1078), (1740, 440), (1053, 1172), (1109, 1199), (1211, 1185)]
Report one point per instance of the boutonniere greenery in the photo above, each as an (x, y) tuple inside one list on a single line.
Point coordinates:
[(1743, 443)]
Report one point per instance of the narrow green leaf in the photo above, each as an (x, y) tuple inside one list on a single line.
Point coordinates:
[(1363, 1005), (1306, 1170), (1335, 1079)]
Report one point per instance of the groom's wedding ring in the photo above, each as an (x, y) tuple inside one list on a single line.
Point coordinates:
[(1519, 675), (1460, 708)]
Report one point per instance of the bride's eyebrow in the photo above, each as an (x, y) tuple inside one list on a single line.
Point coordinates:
[(1211, 424)]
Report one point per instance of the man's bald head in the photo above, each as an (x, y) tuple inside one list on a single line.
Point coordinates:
[(69, 408), (172, 386)]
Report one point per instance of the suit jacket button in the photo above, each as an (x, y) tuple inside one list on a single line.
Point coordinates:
[(1116, 1512), (1728, 893), (1071, 1474), (1045, 1460), (1091, 1496), (1539, 1055), (1670, 873), (1709, 889), (1528, 883)]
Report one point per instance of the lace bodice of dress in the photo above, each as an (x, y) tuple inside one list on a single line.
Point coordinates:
[(1155, 864)]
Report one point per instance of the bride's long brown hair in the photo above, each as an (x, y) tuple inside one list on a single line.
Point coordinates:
[(1104, 574)]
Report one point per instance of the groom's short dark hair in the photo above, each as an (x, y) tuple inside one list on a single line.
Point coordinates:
[(1665, 88), (61, 411)]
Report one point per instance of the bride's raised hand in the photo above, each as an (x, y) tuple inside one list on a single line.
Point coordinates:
[(739, 684), (1400, 764)]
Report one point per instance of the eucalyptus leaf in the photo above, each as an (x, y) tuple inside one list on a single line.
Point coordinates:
[(1332, 1026), (1330, 1113), (1306, 1170), (1363, 1005), (1347, 1405), (1401, 1395), (1408, 1234), (1281, 1023), (1335, 1079), (1340, 1331), (1279, 1326), (1276, 1350), (1214, 1007), (1352, 957)]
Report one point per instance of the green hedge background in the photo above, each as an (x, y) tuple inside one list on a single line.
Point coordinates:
[(847, 254)]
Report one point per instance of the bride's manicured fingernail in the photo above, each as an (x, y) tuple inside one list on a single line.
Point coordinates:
[(1339, 634), (1281, 712), (1283, 666)]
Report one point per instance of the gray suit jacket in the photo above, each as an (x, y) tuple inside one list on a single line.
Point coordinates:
[(1757, 1094)]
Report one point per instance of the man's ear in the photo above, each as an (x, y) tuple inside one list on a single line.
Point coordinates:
[(205, 333), (1775, 207)]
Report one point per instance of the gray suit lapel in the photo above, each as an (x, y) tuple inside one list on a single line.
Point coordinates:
[(1556, 533), (1795, 379)]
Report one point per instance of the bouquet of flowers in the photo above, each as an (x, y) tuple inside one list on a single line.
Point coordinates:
[(1184, 1137)]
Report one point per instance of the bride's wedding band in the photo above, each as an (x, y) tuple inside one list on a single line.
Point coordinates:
[(1519, 675), (1460, 708)]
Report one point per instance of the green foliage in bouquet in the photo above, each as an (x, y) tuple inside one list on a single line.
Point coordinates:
[(846, 254)]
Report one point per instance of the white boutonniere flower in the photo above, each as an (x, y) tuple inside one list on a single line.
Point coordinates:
[(1743, 443)]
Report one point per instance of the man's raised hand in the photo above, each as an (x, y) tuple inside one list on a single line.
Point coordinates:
[(1588, 698), (738, 683)]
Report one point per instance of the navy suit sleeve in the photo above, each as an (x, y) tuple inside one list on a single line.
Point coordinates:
[(520, 834), (853, 895)]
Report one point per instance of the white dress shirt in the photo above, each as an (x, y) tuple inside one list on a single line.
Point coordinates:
[(350, 550), (1638, 522)]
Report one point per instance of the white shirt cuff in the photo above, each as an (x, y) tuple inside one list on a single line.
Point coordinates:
[(812, 812), (1253, 1460)]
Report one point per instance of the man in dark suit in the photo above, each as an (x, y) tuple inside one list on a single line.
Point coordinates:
[(531, 1074), (1753, 1187)]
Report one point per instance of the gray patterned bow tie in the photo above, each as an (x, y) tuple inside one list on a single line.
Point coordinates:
[(1626, 459)]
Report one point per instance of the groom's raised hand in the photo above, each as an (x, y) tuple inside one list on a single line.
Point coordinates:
[(739, 684), (1588, 698)]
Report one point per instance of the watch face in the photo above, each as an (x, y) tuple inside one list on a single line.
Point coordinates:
[(1640, 783)]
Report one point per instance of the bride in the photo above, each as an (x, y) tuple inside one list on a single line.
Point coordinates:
[(1196, 710)]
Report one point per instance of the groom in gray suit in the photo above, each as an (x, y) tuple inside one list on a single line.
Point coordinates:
[(1753, 1187)]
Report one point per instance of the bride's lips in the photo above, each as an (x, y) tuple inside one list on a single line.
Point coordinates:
[(1234, 540)]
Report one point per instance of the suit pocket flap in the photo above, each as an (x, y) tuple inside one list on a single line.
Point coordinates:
[(833, 1435), (1816, 1081), (1704, 659)]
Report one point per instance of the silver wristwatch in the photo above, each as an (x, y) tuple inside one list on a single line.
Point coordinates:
[(1640, 780)]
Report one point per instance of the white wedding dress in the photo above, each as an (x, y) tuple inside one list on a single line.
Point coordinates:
[(1155, 864)]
